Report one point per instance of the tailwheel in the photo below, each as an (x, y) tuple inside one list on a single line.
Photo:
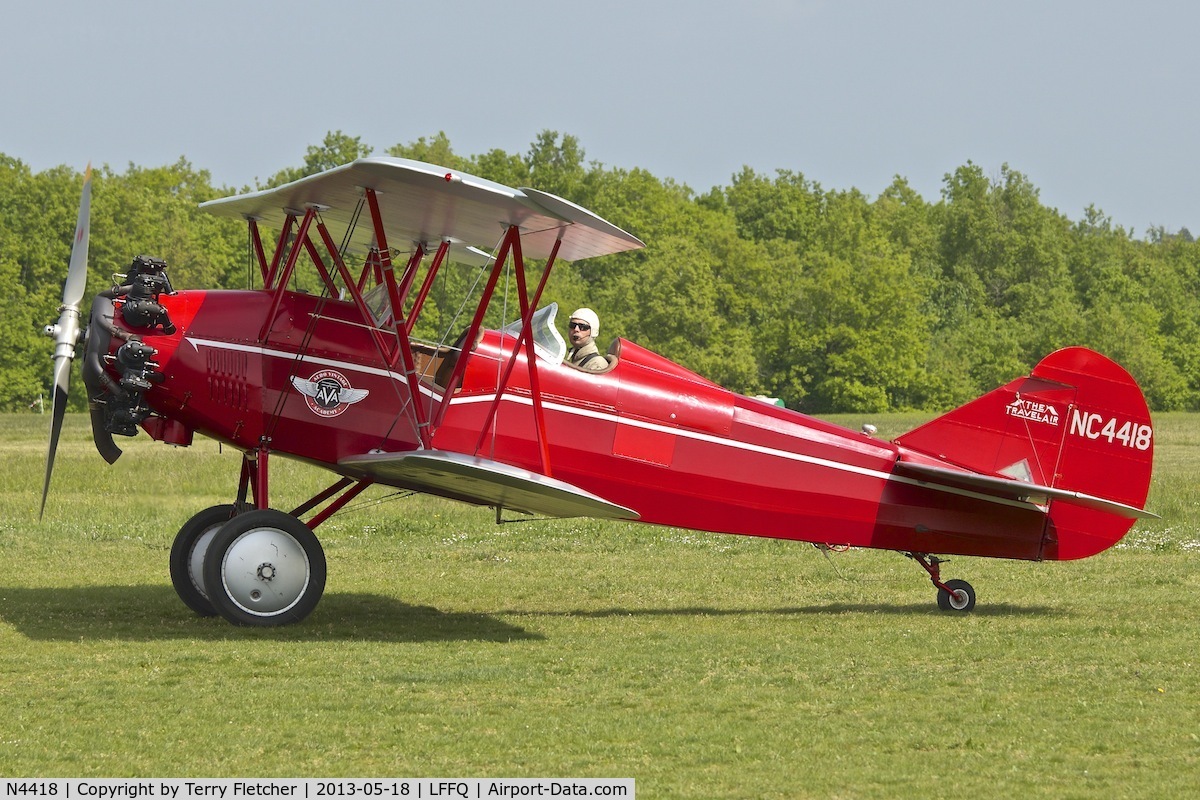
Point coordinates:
[(953, 595), (956, 596), (264, 568), (187, 556)]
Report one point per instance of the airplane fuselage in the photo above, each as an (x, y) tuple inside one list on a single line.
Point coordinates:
[(648, 434)]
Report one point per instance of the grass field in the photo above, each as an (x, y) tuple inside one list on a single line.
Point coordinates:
[(703, 666)]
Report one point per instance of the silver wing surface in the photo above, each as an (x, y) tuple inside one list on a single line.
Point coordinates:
[(483, 481), (429, 204)]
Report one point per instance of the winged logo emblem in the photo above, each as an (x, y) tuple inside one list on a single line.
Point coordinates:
[(328, 392)]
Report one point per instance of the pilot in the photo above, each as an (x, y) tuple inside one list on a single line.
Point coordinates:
[(582, 331)]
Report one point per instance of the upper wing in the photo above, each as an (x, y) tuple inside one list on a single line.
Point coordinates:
[(425, 203), (483, 481), (1017, 490)]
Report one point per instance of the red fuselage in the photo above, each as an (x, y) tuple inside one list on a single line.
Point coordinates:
[(648, 434)]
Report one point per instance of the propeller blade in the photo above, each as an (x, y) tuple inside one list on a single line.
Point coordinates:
[(76, 283), (66, 331), (58, 409)]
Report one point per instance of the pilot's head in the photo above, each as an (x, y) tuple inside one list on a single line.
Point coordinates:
[(583, 327)]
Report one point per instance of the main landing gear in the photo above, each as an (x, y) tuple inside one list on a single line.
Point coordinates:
[(953, 595), (253, 565), (260, 567)]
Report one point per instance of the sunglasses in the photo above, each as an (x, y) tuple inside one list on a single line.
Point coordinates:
[(583, 326)]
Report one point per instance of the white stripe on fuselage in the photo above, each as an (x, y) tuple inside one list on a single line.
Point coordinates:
[(618, 420)]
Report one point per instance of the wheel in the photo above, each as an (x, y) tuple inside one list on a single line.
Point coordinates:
[(264, 568), (187, 556), (961, 596)]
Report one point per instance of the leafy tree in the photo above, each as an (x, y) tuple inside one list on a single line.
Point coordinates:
[(37, 223), (337, 148), (501, 167), (830, 299), (862, 333), (155, 211), (1002, 250), (556, 167), (436, 150), (788, 207), (1124, 325), (24, 365)]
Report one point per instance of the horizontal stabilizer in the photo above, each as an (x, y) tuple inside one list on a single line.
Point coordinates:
[(483, 481), (1017, 490)]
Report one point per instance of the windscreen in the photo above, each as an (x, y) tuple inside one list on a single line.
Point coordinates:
[(547, 341)]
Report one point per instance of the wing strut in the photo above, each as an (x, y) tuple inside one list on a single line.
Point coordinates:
[(384, 263), (513, 233), (402, 342), (256, 247), (438, 260), (511, 244), (348, 281), (528, 306), (288, 267), (322, 270), (285, 231), (397, 323), (379, 261)]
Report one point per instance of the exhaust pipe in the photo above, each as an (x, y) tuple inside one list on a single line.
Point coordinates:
[(98, 383)]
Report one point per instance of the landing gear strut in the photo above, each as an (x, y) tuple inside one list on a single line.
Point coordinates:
[(953, 595), (252, 564)]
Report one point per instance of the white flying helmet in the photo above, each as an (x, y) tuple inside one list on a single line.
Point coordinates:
[(588, 316)]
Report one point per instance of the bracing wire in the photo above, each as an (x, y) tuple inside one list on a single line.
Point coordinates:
[(452, 325)]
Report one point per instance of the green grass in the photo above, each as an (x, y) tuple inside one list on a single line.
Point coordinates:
[(702, 665)]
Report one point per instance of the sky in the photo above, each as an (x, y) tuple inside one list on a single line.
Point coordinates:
[(1092, 101)]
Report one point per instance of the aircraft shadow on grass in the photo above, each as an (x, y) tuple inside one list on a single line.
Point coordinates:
[(911, 609), (144, 613), (138, 613)]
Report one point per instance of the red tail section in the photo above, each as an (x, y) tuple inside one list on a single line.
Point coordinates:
[(1079, 422)]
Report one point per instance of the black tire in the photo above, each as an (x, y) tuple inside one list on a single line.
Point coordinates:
[(264, 568), (187, 556), (960, 598)]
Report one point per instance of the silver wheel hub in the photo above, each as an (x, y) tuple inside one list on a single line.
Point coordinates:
[(265, 571)]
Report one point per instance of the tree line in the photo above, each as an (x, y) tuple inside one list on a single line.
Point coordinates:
[(772, 284)]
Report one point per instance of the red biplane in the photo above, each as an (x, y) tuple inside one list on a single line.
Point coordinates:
[(1055, 465)]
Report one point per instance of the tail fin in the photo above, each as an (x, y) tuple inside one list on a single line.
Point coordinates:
[(1078, 422)]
